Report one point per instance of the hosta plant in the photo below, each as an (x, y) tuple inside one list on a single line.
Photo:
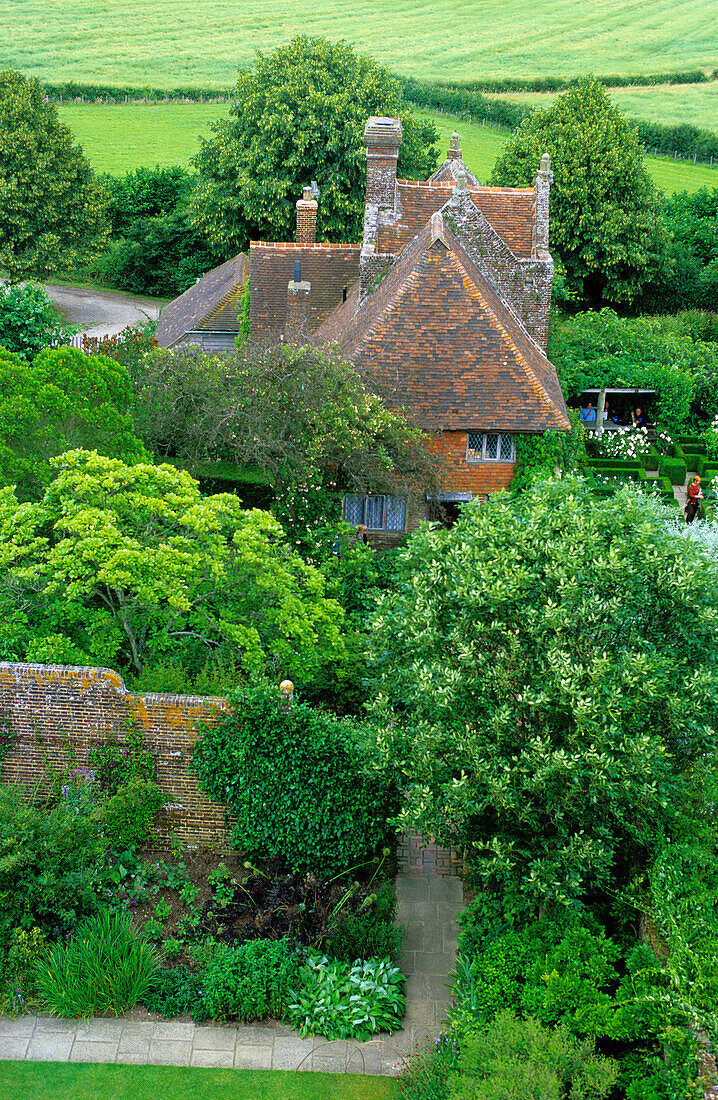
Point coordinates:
[(347, 1001)]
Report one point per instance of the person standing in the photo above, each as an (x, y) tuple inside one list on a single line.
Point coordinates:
[(693, 502)]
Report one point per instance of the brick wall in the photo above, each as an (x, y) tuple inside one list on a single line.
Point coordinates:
[(58, 712), (479, 478)]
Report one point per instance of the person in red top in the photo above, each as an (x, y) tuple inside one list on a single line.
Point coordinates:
[(695, 496)]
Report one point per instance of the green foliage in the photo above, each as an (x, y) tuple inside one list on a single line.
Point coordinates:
[(692, 278), (160, 257), (329, 802), (118, 762), (63, 399), (606, 221), (249, 982), (299, 115), (371, 934), (670, 355), (128, 347), (126, 816), (672, 468), (519, 1058), (174, 992), (542, 456), (127, 563), (18, 971), (51, 862), (38, 158), (425, 1075), (532, 668), (104, 970), (345, 1001), (145, 193), (28, 320)]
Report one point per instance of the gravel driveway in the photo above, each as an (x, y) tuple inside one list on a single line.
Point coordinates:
[(101, 312)]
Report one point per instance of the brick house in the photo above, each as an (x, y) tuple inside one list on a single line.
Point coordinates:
[(445, 302)]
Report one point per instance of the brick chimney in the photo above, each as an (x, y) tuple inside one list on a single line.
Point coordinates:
[(382, 137), (296, 326), (542, 188), (306, 218)]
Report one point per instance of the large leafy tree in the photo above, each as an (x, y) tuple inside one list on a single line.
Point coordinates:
[(606, 221), (300, 115), (547, 670), (52, 208), (123, 564), (29, 321), (64, 399)]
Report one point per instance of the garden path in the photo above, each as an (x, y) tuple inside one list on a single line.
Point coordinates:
[(430, 897)]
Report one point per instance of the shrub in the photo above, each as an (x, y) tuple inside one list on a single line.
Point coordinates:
[(343, 1001), (105, 969), (249, 982), (173, 992), (18, 971), (300, 782), (51, 860), (425, 1075), (127, 815), (368, 934), (672, 468), (519, 1058)]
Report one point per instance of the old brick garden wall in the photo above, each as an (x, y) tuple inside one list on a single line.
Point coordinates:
[(58, 713)]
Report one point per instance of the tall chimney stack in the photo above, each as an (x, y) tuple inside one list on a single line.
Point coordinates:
[(306, 218), (542, 189), (382, 137)]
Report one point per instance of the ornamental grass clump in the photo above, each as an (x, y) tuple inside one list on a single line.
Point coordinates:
[(105, 970)]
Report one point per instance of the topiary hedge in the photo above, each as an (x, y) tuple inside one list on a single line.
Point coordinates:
[(673, 468), (302, 783)]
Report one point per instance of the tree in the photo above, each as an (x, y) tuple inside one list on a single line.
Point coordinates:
[(52, 209), (121, 564), (302, 415), (547, 675), (28, 320), (606, 221), (300, 115), (63, 400)]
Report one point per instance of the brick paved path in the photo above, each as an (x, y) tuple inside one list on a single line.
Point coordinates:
[(429, 897)]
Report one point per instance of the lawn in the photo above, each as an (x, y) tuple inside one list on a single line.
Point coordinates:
[(117, 138), (70, 1081), (180, 41), (669, 104)]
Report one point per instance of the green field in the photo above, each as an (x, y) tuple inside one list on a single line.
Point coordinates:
[(78, 1081), (119, 138), (182, 41), (665, 103)]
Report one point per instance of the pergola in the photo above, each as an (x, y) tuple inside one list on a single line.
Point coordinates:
[(600, 396)]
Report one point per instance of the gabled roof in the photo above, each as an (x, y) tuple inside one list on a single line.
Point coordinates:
[(449, 170), (205, 306), (330, 268), (509, 210), (436, 336)]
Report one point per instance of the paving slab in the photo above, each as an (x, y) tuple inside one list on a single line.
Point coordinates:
[(252, 1057), (170, 1052), (214, 1038), (209, 1059), (86, 1050), (50, 1048)]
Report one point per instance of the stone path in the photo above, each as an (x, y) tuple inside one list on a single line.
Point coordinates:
[(429, 897)]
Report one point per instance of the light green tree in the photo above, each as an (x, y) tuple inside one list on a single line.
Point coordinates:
[(607, 225), (52, 209), (547, 673), (300, 115), (28, 320), (122, 564), (63, 400)]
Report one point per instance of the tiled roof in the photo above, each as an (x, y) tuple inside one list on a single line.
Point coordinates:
[(437, 336), (510, 210), (206, 305), (449, 170), (328, 267)]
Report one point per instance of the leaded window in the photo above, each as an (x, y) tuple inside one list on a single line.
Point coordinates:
[(379, 513), (490, 447)]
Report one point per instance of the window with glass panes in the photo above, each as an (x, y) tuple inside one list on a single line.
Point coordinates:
[(379, 513), (490, 447)]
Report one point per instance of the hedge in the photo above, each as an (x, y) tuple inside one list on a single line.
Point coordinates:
[(704, 463), (673, 468), (562, 83), (71, 89), (615, 463), (692, 441), (682, 450)]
